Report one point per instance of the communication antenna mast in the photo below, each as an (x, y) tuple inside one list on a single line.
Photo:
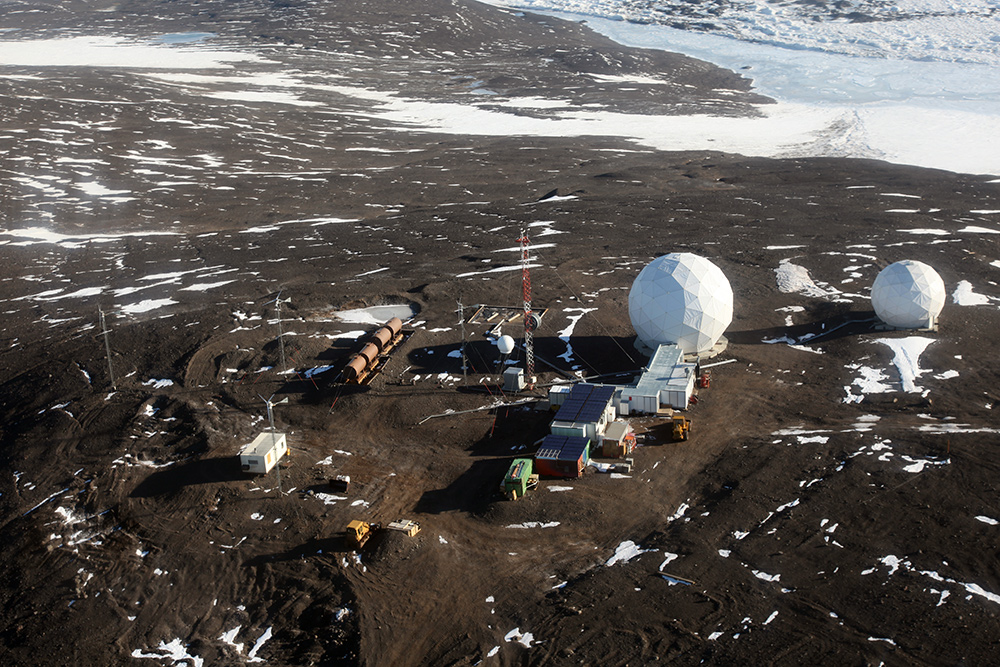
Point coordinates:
[(529, 323), (465, 364), (107, 346), (274, 440), (281, 334)]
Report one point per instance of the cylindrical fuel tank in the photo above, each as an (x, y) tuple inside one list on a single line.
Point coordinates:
[(355, 368), (369, 352), (381, 337), (394, 325)]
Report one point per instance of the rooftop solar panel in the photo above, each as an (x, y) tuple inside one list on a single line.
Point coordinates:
[(586, 403), (574, 448)]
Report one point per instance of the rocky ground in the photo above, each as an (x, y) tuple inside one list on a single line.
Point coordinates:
[(798, 525)]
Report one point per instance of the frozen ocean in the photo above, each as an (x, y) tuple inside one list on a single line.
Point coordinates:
[(912, 81)]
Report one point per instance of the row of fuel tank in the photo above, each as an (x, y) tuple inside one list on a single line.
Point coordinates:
[(362, 363)]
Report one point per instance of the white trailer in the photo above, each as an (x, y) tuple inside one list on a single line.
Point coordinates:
[(263, 453)]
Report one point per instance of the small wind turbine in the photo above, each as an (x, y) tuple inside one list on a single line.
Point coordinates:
[(270, 420)]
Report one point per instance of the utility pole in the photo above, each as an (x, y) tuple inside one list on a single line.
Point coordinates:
[(461, 319), (529, 324), (107, 346), (274, 439), (281, 333)]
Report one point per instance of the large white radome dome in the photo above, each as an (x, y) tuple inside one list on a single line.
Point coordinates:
[(908, 294), (682, 299)]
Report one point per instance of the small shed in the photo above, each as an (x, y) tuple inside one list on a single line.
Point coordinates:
[(263, 453), (562, 456), (558, 395), (618, 440), (513, 380)]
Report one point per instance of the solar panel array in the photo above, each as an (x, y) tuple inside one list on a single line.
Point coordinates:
[(585, 403), (562, 447)]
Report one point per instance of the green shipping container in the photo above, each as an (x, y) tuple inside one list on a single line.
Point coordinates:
[(515, 482)]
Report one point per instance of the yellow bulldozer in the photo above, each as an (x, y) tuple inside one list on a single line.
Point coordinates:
[(359, 532), (682, 428)]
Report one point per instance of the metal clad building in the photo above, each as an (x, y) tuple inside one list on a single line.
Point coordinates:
[(667, 381), (562, 456)]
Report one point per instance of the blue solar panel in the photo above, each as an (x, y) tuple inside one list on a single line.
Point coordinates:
[(586, 403), (574, 448), (563, 447)]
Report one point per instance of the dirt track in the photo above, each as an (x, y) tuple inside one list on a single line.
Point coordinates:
[(127, 523)]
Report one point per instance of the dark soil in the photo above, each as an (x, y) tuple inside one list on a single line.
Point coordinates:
[(127, 523)]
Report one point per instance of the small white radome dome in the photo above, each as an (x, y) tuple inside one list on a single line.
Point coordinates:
[(908, 294), (505, 344), (682, 299)]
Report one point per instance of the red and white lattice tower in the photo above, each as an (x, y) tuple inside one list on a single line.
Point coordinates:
[(529, 321)]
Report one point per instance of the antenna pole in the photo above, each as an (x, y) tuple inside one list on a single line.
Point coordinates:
[(107, 346), (461, 315), (529, 325), (281, 340)]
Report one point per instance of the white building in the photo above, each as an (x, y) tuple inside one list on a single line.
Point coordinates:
[(586, 412), (263, 453), (666, 382)]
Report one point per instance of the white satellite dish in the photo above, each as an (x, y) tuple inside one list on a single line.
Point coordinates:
[(505, 344)]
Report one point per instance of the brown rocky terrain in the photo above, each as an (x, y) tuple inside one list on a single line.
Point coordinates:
[(793, 527)]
